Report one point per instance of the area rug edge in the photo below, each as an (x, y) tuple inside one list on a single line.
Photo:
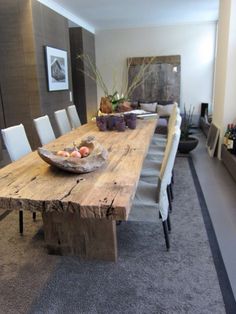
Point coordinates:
[(225, 286)]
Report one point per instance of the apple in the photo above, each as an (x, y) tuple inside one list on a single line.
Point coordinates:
[(76, 154), (84, 151), (63, 153)]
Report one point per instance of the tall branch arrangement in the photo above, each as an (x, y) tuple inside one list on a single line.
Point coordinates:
[(91, 70)]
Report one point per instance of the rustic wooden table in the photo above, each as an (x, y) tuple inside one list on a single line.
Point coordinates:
[(79, 211)]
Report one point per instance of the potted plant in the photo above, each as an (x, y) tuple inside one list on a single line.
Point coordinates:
[(187, 142)]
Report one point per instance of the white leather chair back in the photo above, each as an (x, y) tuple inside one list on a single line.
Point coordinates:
[(73, 116), (62, 121), (16, 141), (176, 123), (166, 173), (172, 118), (169, 146), (44, 129)]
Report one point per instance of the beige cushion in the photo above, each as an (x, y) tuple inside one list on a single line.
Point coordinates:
[(150, 106), (165, 110)]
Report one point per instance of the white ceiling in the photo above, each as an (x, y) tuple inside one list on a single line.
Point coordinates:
[(111, 14)]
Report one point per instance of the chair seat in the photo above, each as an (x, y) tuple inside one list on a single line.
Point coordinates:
[(157, 136), (157, 139), (144, 206), (150, 171), (155, 153)]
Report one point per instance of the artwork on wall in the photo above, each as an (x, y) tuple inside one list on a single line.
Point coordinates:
[(57, 69), (212, 139), (163, 81)]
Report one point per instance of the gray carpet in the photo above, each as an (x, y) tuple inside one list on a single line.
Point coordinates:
[(146, 278)]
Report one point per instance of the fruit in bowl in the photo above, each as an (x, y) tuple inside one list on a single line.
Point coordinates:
[(88, 156), (84, 151), (75, 154), (63, 153)]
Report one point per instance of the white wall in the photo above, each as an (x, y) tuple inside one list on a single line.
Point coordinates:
[(194, 42)]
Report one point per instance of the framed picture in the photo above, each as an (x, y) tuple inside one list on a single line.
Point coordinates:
[(57, 69), (212, 140)]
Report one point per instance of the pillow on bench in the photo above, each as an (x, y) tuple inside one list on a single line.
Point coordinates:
[(165, 111), (148, 106)]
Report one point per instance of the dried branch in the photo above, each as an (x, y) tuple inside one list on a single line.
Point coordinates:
[(126, 89)]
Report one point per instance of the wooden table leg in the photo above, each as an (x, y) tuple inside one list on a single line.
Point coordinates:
[(68, 234)]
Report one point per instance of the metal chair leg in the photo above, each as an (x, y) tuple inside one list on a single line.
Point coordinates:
[(171, 192), (172, 177), (169, 197), (168, 223), (165, 229), (21, 227), (34, 216)]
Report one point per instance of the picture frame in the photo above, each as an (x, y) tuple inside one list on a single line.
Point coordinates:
[(212, 140), (57, 69)]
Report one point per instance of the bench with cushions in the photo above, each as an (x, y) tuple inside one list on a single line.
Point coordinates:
[(163, 108)]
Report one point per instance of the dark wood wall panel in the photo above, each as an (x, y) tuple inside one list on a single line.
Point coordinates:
[(84, 89), (26, 26), (18, 77), (50, 29), (91, 86)]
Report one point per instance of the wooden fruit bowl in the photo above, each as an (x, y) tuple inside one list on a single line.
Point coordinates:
[(97, 157)]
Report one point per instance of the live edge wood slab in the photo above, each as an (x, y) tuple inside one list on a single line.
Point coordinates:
[(79, 211)]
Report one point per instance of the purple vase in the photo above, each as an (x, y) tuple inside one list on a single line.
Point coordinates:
[(120, 124), (131, 120), (111, 122), (101, 123)]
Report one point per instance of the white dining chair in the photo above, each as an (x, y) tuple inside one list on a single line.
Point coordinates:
[(151, 199), (156, 160), (156, 149), (44, 129), (17, 145), (171, 122), (73, 116), (62, 120), (16, 141)]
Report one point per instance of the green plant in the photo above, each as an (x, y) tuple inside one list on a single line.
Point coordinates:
[(186, 124)]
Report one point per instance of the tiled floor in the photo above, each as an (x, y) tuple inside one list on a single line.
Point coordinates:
[(219, 190), (220, 193)]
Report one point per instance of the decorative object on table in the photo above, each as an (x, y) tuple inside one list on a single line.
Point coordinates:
[(93, 156), (101, 122), (120, 124), (57, 69), (131, 120), (112, 101), (117, 122), (111, 122), (187, 142), (105, 105)]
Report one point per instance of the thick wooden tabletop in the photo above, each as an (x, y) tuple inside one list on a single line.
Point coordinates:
[(32, 184)]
